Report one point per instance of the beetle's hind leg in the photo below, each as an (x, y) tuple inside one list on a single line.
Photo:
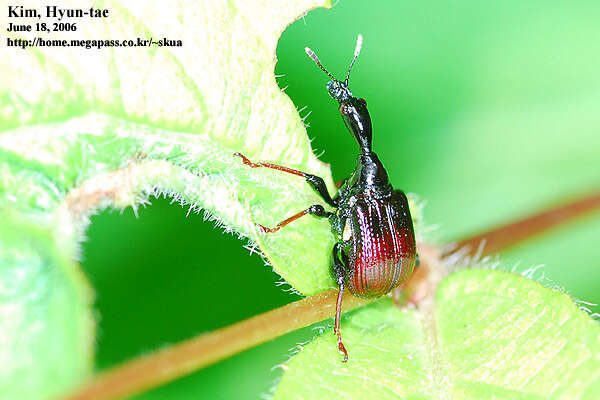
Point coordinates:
[(339, 271), (315, 181)]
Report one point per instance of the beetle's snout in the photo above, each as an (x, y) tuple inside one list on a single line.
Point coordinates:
[(339, 91)]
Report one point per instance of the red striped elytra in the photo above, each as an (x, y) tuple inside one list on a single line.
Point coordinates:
[(375, 249)]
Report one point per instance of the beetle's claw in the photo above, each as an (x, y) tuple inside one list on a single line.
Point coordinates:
[(246, 161), (341, 347), (343, 350), (264, 229)]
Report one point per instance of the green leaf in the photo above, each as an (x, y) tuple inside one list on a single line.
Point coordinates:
[(46, 328), (489, 334), (83, 129)]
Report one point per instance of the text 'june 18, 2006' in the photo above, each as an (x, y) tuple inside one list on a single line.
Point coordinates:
[(54, 26)]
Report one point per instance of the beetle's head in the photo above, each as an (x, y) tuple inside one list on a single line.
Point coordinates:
[(339, 90), (353, 109)]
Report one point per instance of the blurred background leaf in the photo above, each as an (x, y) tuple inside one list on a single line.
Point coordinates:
[(487, 111)]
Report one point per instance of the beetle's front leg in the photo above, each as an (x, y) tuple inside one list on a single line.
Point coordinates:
[(339, 271), (315, 181)]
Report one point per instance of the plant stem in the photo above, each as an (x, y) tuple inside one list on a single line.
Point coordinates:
[(504, 236), (193, 354), (178, 360)]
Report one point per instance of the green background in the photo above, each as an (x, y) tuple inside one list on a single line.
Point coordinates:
[(487, 111)]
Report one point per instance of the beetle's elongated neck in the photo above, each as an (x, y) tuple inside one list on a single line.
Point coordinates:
[(356, 117)]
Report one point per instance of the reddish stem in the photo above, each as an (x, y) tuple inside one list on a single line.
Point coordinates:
[(508, 235), (183, 358)]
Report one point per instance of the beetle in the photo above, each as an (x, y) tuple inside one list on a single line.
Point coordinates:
[(375, 249)]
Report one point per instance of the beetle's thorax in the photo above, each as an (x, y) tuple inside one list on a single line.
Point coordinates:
[(368, 179), (372, 176)]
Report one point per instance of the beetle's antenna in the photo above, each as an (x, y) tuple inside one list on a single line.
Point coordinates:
[(314, 57), (359, 40)]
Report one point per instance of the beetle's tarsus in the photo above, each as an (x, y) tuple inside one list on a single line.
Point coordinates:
[(246, 161), (264, 229), (338, 313), (341, 347)]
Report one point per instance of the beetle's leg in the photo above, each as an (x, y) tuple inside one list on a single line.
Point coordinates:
[(339, 271), (315, 181), (317, 210)]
